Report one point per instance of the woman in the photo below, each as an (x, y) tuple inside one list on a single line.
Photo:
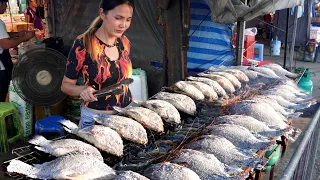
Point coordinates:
[(30, 15), (101, 57)]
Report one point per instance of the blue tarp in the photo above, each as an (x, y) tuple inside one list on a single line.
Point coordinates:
[(210, 42)]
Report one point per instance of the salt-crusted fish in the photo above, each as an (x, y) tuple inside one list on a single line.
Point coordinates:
[(238, 74), (224, 82), (206, 90), (213, 84), (164, 109), (188, 89), (102, 137), (293, 90), (130, 175), (226, 152), (265, 71), (290, 105), (286, 94), (253, 125), (144, 116), (63, 147), (240, 136), (289, 113), (235, 82), (168, 171), (281, 71), (257, 77), (182, 102), (72, 167), (222, 67), (265, 113), (127, 128), (207, 166)]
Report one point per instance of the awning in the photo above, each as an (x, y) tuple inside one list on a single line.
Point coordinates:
[(231, 11)]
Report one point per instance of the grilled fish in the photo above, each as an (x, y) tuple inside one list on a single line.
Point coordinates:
[(235, 82), (168, 171), (130, 175), (281, 71), (207, 166), (289, 113), (144, 116), (206, 90), (225, 151), (224, 82), (238, 74), (182, 102), (63, 147), (189, 90), (240, 136), (253, 125), (73, 167), (126, 127), (265, 71), (164, 109), (265, 113), (213, 84), (286, 94), (290, 105), (101, 137)]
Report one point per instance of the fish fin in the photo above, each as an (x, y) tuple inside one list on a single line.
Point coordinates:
[(256, 163), (292, 134), (301, 106), (118, 109), (40, 148), (295, 115), (20, 167), (69, 126), (39, 140)]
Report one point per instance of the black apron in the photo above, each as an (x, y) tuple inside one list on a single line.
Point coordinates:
[(5, 75), (5, 58)]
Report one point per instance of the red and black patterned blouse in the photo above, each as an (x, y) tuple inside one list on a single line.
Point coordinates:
[(101, 72)]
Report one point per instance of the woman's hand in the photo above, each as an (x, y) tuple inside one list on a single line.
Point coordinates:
[(87, 94)]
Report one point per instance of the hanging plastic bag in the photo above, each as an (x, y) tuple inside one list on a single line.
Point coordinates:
[(251, 31)]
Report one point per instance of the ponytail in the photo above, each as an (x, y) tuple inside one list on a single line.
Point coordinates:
[(88, 36)]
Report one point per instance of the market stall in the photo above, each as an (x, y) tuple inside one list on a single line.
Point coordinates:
[(221, 123), (185, 125)]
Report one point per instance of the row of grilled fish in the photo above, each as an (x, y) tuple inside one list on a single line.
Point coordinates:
[(75, 160)]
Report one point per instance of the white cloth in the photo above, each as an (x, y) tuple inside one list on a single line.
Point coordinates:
[(3, 35)]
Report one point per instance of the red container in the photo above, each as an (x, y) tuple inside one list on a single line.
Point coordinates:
[(248, 45)]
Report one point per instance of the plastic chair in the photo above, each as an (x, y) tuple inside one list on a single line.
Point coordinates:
[(260, 47), (8, 111), (49, 125)]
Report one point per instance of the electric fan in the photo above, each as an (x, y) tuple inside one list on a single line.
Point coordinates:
[(38, 75)]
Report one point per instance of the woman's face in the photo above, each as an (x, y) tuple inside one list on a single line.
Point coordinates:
[(33, 3), (117, 20)]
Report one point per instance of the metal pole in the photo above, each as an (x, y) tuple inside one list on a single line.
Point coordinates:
[(240, 39), (286, 40), (290, 169), (294, 34)]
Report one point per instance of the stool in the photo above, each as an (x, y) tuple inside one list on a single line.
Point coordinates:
[(260, 47), (9, 111), (49, 125)]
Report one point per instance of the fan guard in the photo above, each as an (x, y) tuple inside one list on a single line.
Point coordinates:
[(38, 75)]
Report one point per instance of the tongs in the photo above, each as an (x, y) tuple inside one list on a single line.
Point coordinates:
[(113, 89)]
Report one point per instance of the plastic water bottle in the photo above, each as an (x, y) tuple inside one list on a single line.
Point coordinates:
[(275, 46)]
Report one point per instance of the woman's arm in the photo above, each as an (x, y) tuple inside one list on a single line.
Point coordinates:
[(70, 88)]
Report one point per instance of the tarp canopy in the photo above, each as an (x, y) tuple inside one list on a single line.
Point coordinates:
[(231, 11)]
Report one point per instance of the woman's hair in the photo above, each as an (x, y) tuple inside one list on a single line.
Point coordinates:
[(4, 1), (88, 36)]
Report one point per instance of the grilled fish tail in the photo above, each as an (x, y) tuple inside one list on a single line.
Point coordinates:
[(266, 145), (39, 140), (20, 167), (301, 106), (295, 115), (69, 126), (293, 134)]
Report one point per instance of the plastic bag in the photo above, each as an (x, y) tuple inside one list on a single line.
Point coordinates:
[(251, 31)]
